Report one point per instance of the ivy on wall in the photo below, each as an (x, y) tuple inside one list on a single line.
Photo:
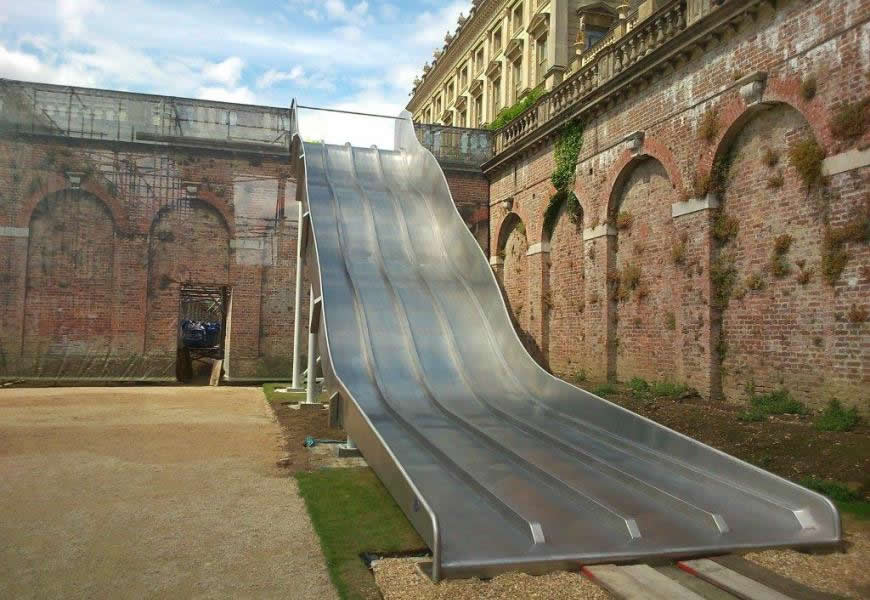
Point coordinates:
[(565, 153)]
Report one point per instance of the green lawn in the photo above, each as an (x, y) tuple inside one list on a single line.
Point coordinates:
[(273, 396), (352, 512)]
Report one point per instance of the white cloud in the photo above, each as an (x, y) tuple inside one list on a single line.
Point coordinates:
[(273, 76), (73, 13), (354, 55), (338, 10), (226, 72), (239, 95), (432, 27)]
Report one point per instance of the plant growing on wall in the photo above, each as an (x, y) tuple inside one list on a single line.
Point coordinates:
[(806, 157), (568, 144), (834, 253), (508, 114)]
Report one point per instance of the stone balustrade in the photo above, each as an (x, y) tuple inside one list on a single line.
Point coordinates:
[(621, 48)]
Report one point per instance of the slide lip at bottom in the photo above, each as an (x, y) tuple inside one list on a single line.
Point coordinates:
[(491, 568)]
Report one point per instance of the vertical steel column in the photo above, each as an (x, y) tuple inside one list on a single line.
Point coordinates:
[(297, 329), (312, 350)]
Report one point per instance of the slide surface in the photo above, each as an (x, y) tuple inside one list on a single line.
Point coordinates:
[(498, 464)]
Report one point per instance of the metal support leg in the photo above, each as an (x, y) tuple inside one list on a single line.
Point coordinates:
[(297, 327), (312, 353), (348, 449)]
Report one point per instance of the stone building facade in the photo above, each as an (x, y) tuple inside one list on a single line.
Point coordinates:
[(505, 49), (723, 187)]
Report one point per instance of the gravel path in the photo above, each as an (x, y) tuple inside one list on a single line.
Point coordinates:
[(845, 574), (150, 492), (398, 579)]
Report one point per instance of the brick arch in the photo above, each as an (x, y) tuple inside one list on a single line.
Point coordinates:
[(507, 225), (735, 114), (546, 236), (54, 183), (210, 198), (627, 161), (206, 197)]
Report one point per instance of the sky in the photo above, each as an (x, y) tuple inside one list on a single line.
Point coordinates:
[(347, 54)]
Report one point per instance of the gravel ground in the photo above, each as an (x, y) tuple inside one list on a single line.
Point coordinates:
[(845, 574), (150, 492), (399, 579)]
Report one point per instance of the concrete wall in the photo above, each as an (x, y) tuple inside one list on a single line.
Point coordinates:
[(711, 312)]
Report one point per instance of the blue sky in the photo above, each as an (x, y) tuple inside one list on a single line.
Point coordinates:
[(357, 55)]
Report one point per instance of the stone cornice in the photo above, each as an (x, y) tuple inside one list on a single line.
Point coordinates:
[(469, 34)]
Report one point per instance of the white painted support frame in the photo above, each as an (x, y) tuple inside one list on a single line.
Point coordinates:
[(314, 306), (297, 315)]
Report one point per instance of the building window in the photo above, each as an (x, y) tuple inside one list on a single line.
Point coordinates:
[(517, 75), (478, 60), (450, 92), (517, 18), (594, 35), (462, 121), (463, 77), (496, 40), (437, 107), (478, 110), (541, 58), (496, 95)]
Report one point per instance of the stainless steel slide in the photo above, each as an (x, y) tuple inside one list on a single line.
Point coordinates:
[(498, 464)]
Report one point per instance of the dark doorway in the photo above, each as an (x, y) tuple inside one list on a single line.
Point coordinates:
[(201, 333)]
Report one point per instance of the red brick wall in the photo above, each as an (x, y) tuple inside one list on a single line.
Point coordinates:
[(789, 333), (91, 277), (564, 340), (470, 193)]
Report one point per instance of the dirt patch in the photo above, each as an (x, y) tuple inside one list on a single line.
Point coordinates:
[(296, 424), (787, 445)]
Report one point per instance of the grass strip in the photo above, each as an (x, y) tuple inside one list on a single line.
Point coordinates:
[(352, 513)]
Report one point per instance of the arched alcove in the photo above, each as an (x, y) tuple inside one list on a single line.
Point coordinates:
[(640, 289), (772, 321), (69, 296), (189, 243)]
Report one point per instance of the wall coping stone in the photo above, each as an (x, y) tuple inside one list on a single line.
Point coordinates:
[(846, 161), (693, 205), (16, 232), (602, 230), (539, 248)]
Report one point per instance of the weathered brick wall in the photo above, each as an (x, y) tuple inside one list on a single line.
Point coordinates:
[(692, 316), (470, 191), (91, 277)]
